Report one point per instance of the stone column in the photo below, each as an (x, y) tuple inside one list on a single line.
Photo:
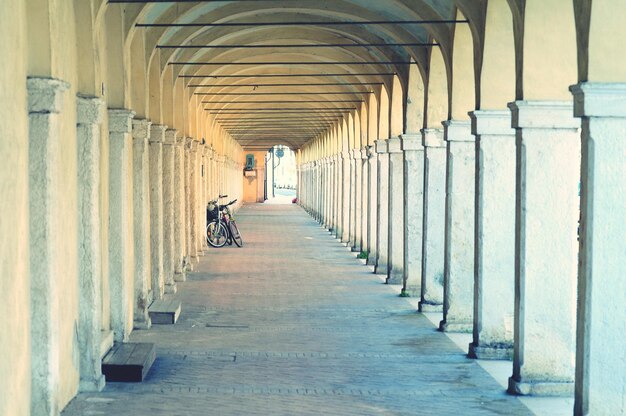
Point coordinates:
[(339, 196), (600, 361), (332, 186), (396, 212), (364, 199), (413, 212), (547, 213), (345, 207), (45, 103), (193, 200), (352, 198), (141, 223), (200, 206), (433, 246), (121, 267), (382, 232), (372, 213), (169, 145), (155, 143), (494, 276), (358, 191), (336, 195), (181, 259), (190, 243), (89, 116), (327, 192), (458, 277)]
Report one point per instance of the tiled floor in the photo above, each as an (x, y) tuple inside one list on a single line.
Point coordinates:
[(293, 324)]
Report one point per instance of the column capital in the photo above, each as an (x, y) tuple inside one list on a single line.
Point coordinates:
[(345, 155), (370, 151), (433, 138), (599, 99), (363, 152), (180, 140), (193, 145), (45, 95), (394, 145), (188, 141), (89, 110), (491, 122), (458, 131), (141, 128), (411, 142), (543, 114), (380, 146), (120, 120), (170, 137), (157, 131)]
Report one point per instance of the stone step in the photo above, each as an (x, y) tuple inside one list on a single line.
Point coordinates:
[(164, 311), (128, 362)]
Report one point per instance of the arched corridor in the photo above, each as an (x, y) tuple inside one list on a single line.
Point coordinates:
[(292, 324), (471, 152)]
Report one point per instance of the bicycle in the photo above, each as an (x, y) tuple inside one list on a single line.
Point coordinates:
[(221, 225)]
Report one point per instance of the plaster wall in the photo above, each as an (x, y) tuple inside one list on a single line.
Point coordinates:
[(14, 252), (253, 185), (61, 63)]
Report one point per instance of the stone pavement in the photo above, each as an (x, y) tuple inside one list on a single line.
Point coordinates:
[(293, 324)]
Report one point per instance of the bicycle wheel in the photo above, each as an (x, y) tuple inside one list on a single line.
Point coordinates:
[(234, 232), (216, 234)]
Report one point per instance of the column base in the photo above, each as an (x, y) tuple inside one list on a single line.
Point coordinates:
[(490, 352), (430, 307), (143, 324), (381, 269), (92, 386), (194, 260), (188, 267), (180, 277), (459, 326), (413, 291), (171, 288), (540, 388), (394, 279)]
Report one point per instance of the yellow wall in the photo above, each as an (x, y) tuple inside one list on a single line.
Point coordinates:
[(253, 186), (14, 282)]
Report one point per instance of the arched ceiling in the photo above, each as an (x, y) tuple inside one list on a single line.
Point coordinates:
[(262, 93)]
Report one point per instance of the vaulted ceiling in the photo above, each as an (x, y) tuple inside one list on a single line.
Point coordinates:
[(271, 69)]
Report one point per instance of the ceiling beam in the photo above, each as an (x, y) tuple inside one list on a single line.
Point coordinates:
[(358, 74), (283, 93), (302, 23), (299, 45), (285, 63), (284, 102), (301, 84)]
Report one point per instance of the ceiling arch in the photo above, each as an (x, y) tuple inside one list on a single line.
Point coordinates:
[(323, 83)]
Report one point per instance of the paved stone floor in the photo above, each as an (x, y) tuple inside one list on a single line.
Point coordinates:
[(293, 324)]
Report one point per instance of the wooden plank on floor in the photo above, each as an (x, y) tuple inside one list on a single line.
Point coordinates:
[(129, 362), (165, 311)]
